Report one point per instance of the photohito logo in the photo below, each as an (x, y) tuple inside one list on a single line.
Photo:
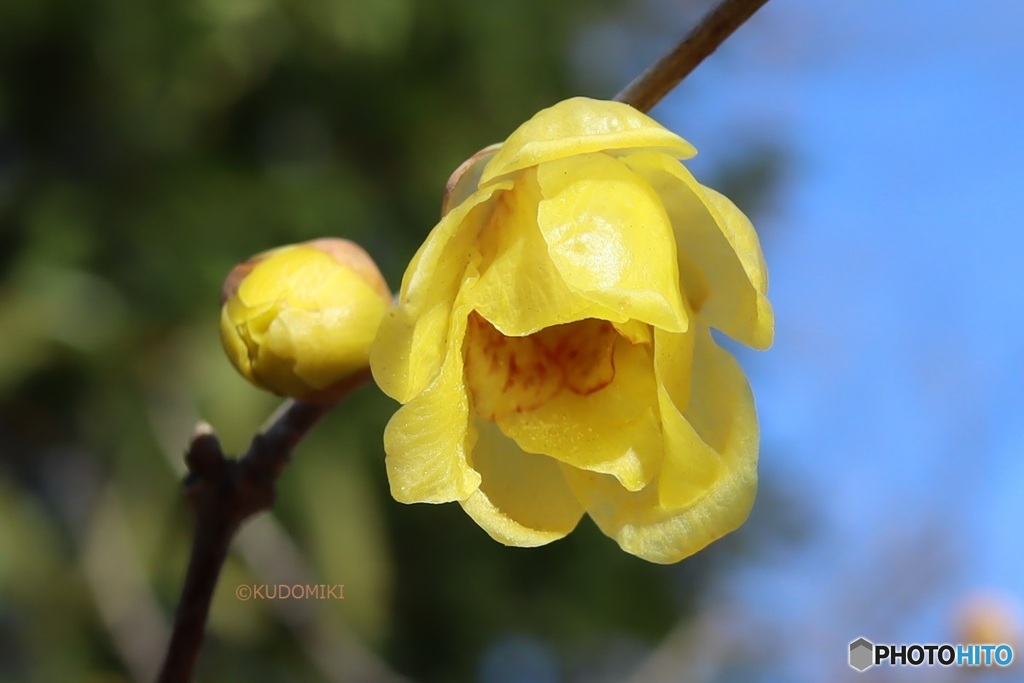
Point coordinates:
[(864, 654)]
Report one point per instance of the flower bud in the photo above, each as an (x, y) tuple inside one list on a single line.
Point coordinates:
[(299, 320)]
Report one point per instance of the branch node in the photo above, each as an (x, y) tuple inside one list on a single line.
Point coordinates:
[(204, 454)]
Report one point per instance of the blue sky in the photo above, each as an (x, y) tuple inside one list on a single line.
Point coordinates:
[(891, 402)]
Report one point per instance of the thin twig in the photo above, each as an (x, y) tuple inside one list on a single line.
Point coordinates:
[(223, 493), (657, 80)]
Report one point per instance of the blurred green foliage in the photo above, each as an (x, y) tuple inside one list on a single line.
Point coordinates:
[(145, 148)]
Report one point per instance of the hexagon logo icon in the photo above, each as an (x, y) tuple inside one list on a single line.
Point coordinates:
[(862, 654)]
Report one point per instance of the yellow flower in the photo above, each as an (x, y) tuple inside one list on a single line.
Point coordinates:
[(299, 320), (552, 348)]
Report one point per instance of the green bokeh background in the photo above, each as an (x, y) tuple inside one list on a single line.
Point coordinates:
[(145, 148)]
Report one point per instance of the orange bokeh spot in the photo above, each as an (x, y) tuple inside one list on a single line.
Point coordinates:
[(518, 374)]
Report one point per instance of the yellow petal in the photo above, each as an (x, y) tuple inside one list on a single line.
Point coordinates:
[(708, 479), (741, 235), (635, 331), (744, 241), (584, 351), (642, 527), (410, 343), (323, 359), (428, 440), (233, 336), (691, 466), (579, 126), (520, 291), (523, 499), (673, 364), (720, 260), (610, 238), (721, 408), (506, 374), (614, 430), (435, 271)]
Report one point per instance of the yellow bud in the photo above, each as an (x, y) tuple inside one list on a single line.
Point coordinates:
[(299, 320)]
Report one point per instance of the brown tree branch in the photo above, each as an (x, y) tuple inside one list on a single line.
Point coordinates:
[(647, 89), (223, 492)]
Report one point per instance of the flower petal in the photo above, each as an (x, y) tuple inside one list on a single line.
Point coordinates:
[(642, 527), (744, 241), (520, 291), (579, 126), (610, 238), (673, 365), (327, 345), (742, 237), (428, 440), (720, 259), (720, 415), (523, 499), (691, 467), (410, 342), (614, 430), (635, 331), (708, 479)]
